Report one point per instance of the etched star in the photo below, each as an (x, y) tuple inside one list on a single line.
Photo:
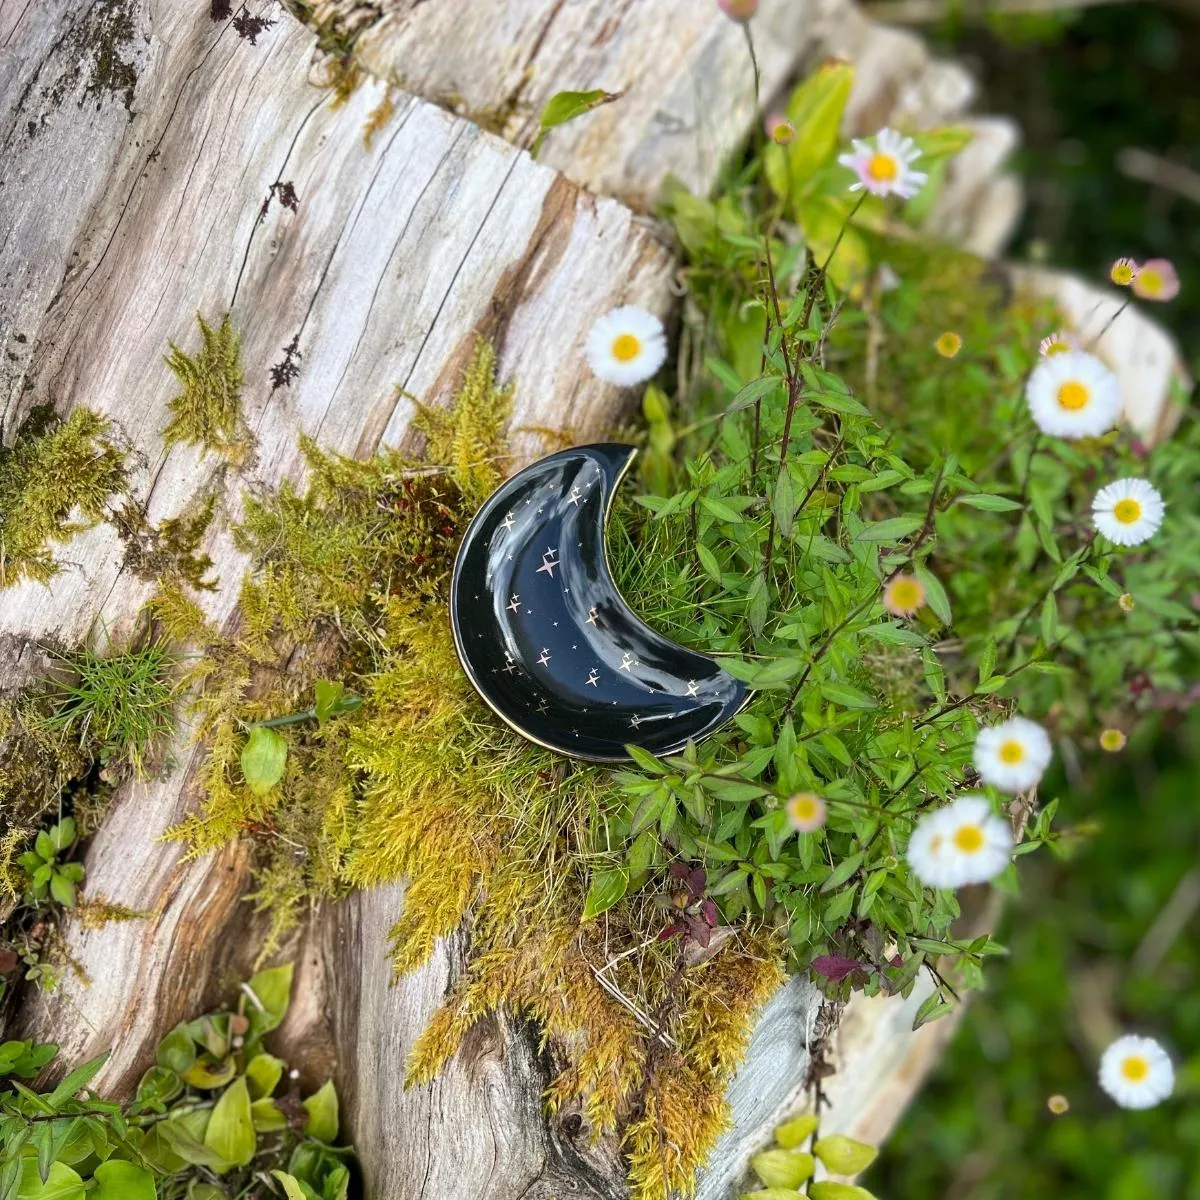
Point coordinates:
[(593, 678), (545, 657), (575, 496), (514, 604), (592, 615), (508, 521), (628, 662), (548, 563), (692, 688)]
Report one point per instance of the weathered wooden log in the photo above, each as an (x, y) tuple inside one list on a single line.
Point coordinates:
[(156, 164)]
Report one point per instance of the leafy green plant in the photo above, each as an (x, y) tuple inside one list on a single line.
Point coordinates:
[(46, 875), (119, 707), (216, 1117)]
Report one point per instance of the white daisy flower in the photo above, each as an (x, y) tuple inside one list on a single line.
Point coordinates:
[(963, 843), (1013, 755), (1128, 512), (1073, 395), (1136, 1072), (626, 346), (806, 812), (885, 168)]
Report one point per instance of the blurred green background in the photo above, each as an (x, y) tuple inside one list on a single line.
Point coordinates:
[(1108, 941)]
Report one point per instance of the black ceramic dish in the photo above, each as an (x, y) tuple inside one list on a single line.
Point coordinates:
[(545, 636)]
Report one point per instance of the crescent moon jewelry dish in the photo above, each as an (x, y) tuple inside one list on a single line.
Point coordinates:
[(549, 642)]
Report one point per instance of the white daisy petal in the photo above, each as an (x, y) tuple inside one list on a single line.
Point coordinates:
[(1128, 511), (961, 844), (1013, 755), (1136, 1072), (1073, 395), (626, 346)]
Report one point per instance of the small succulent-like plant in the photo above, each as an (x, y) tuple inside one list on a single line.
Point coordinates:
[(47, 877)]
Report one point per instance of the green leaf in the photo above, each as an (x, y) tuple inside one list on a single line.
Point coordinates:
[(322, 1109), (847, 696), (273, 990), (63, 834), (1049, 619), (783, 501), (176, 1051), (566, 106), (209, 1073), (815, 110), (62, 889), (783, 1168), (987, 660), (157, 1086), (263, 1073), (988, 502), (827, 1190), (931, 1009), (44, 846), (891, 530), (708, 561), (205, 1191), (230, 1132), (935, 594), (778, 672), (328, 698), (118, 1180), (61, 1183), (791, 1133), (293, 1189), (773, 1193), (844, 1156), (607, 888), (78, 1079), (263, 759), (267, 1116), (721, 510)]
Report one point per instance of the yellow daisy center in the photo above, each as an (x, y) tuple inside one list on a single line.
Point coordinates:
[(1122, 274), (1112, 740), (1127, 511), (1011, 752), (883, 167), (805, 807), (905, 594), (1057, 347), (1135, 1068), (948, 345), (969, 839), (1073, 395), (1150, 283), (626, 347)]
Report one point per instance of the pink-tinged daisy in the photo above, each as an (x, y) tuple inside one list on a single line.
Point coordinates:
[(885, 168), (1123, 272), (903, 595), (779, 129), (948, 344), (806, 812), (1156, 280), (740, 11), (1059, 342)]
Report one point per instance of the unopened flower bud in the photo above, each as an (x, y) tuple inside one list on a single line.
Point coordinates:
[(738, 10)]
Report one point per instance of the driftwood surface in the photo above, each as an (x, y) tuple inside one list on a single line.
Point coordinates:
[(139, 142)]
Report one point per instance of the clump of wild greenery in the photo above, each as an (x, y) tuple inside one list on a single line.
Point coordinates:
[(59, 478), (207, 411), (63, 748), (216, 1117)]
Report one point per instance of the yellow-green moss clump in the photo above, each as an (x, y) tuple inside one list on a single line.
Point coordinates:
[(349, 583), (207, 411), (58, 479)]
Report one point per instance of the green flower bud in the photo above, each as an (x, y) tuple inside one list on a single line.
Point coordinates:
[(783, 1168), (791, 1133), (843, 1155)]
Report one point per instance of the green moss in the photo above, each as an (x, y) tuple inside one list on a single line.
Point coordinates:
[(170, 550), (58, 479), (207, 411)]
